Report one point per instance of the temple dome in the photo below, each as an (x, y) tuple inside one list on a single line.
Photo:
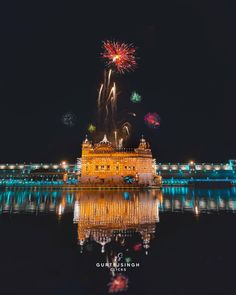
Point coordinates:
[(104, 144), (143, 145), (105, 140), (86, 143)]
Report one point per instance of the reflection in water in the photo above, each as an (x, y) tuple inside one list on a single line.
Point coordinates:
[(112, 220), (198, 201), (170, 199), (103, 218), (117, 226)]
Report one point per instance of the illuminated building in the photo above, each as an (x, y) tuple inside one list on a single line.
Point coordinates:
[(104, 164), (197, 173), (68, 174), (38, 174)]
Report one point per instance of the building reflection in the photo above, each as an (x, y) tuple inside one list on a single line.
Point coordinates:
[(112, 216), (118, 227), (123, 205), (198, 201)]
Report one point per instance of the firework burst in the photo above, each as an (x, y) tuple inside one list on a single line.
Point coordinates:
[(118, 284), (152, 120), (69, 119), (91, 128), (135, 97), (119, 55)]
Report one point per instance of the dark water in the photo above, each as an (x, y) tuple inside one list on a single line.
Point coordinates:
[(174, 241)]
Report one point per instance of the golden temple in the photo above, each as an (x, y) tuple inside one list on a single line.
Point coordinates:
[(103, 164)]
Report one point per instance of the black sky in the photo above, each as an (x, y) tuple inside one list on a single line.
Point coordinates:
[(50, 64)]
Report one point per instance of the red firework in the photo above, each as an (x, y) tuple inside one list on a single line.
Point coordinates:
[(152, 120), (137, 247), (118, 284), (120, 55)]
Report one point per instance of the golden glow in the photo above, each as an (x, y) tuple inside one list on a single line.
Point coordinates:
[(115, 57), (60, 210), (100, 217), (196, 210), (103, 164)]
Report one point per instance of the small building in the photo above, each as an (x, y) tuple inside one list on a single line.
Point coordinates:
[(103, 163)]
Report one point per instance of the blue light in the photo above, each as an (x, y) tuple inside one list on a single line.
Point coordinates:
[(129, 179), (126, 196)]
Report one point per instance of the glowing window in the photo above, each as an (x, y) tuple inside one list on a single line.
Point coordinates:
[(198, 167), (174, 167), (184, 167), (208, 167), (164, 167)]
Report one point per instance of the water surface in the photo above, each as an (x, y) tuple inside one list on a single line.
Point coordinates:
[(174, 241)]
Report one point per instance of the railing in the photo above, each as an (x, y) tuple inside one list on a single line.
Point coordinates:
[(116, 150)]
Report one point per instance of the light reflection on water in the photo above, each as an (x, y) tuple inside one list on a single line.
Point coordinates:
[(169, 199), (118, 226), (114, 216)]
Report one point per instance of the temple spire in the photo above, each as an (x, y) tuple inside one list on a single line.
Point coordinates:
[(86, 138), (143, 144), (105, 139)]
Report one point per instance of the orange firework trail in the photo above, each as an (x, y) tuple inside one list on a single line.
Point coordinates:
[(107, 100), (119, 55), (99, 96)]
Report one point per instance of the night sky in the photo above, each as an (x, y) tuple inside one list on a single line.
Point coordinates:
[(50, 64)]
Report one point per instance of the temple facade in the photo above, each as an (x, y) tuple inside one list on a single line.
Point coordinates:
[(104, 164)]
